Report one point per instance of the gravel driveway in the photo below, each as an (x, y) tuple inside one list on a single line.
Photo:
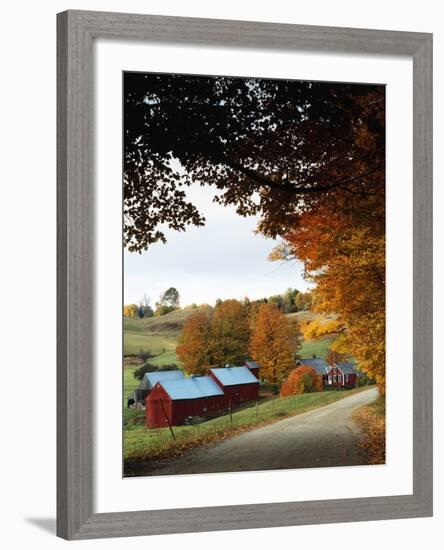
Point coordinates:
[(323, 437)]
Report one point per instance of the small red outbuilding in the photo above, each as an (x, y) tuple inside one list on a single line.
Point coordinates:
[(238, 383), (177, 400), (254, 367), (342, 375)]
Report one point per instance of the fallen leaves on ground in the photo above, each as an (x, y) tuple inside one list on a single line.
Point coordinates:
[(373, 434)]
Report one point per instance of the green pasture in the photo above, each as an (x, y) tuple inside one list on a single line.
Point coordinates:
[(160, 335), (317, 347), (143, 443), (134, 342)]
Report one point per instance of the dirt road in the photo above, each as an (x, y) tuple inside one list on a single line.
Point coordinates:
[(323, 437)]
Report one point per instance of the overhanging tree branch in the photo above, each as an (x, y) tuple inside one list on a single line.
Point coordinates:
[(265, 181)]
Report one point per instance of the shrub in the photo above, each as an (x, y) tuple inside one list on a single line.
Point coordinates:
[(144, 355), (301, 380)]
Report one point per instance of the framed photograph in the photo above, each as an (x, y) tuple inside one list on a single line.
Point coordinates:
[(244, 275)]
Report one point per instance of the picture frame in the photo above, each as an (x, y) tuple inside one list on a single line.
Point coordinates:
[(76, 32)]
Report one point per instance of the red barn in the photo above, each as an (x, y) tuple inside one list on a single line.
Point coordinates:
[(254, 367), (177, 400), (342, 375), (238, 383), (149, 380), (319, 365)]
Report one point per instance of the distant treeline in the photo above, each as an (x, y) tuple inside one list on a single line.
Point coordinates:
[(168, 301), (290, 301)]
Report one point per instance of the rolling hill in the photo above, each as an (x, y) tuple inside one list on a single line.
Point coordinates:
[(159, 335)]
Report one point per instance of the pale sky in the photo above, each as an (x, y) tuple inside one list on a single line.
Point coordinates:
[(223, 259)]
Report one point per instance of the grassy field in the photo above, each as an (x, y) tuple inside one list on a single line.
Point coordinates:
[(316, 347), (159, 335), (142, 443), (129, 382)]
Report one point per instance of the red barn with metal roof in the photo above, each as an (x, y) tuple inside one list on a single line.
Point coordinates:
[(238, 383), (148, 382), (342, 375), (319, 365), (177, 400), (254, 367)]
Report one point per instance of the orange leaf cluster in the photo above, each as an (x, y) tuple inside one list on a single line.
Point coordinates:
[(344, 254), (130, 311), (214, 337), (339, 235), (274, 342), (321, 327), (301, 380), (194, 343)]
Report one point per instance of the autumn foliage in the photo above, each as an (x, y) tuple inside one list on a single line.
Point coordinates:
[(372, 423), (130, 311), (214, 337), (321, 327), (230, 333), (345, 257), (301, 380), (339, 235), (195, 342), (273, 343), (306, 158)]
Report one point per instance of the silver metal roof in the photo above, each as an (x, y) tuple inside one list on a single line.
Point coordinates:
[(319, 365), (194, 387), (151, 378), (252, 364), (232, 376), (347, 368)]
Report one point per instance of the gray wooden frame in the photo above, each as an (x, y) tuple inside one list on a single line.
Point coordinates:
[(77, 31)]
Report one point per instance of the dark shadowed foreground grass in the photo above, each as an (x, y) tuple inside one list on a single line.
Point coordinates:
[(141, 443), (372, 421)]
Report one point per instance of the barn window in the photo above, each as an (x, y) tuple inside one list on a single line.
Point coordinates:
[(339, 378), (329, 379), (346, 377), (334, 378)]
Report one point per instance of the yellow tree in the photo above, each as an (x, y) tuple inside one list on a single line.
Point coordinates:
[(230, 333), (130, 310), (273, 343), (194, 343), (344, 254), (319, 327)]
